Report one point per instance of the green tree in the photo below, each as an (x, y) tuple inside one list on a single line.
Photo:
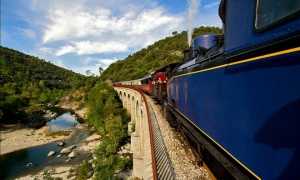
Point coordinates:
[(100, 70), (42, 84), (88, 72)]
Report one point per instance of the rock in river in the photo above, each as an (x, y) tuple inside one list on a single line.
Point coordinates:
[(60, 143), (29, 164), (72, 147), (65, 151), (73, 154), (51, 153)]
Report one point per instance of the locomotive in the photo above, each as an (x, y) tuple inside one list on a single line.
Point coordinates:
[(236, 96)]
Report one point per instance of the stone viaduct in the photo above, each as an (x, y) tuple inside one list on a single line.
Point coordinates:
[(139, 131)]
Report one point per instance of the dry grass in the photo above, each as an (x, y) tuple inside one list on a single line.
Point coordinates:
[(58, 133)]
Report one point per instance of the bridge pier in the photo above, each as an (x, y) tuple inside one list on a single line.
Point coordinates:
[(135, 143), (138, 167)]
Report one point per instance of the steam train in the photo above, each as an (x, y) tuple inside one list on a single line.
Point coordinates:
[(236, 97)]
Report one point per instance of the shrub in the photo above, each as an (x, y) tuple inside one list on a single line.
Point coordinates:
[(80, 105), (83, 170), (71, 98), (133, 127), (78, 98), (58, 133)]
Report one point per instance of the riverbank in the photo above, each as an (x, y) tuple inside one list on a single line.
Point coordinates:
[(78, 142), (16, 137), (66, 104), (62, 172)]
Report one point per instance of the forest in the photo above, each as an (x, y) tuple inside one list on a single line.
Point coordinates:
[(155, 56), (27, 82)]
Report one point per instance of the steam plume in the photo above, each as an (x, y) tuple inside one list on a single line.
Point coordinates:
[(192, 12)]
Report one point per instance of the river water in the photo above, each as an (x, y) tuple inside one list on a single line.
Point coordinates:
[(13, 165), (64, 122)]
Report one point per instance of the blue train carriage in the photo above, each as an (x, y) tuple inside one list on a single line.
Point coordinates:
[(238, 100)]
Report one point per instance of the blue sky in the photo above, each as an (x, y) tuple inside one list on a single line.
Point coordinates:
[(83, 35)]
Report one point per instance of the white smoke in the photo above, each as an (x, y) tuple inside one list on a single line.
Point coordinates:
[(192, 12)]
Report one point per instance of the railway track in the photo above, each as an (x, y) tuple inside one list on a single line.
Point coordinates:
[(163, 163)]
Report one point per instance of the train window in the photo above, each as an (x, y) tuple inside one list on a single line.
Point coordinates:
[(273, 12), (144, 81)]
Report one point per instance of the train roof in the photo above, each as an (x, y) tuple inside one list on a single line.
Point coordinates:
[(145, 77), (148, 76)]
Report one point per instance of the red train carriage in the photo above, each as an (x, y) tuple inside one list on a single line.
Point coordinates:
[(159, 82), (146, 83)]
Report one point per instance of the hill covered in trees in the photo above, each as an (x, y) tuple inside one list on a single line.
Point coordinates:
[(160, 54), (26, 81)]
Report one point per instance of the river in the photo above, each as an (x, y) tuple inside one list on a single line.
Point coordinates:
[(13, 165)]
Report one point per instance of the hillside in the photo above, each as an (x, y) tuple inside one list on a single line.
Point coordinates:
[(19, 67), (27, 81), (161, 53)]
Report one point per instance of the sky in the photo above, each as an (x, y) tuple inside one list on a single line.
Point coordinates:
[(83, 35)]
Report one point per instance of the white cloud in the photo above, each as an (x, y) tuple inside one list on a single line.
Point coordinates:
[(92, 30), (211, 5), (107, 61), (46, 50), (64, 50), (104, 63), (60, 63), (83, 69), (28, 33), (75, 22), (151, 19), (87, 47), (88, 60)]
